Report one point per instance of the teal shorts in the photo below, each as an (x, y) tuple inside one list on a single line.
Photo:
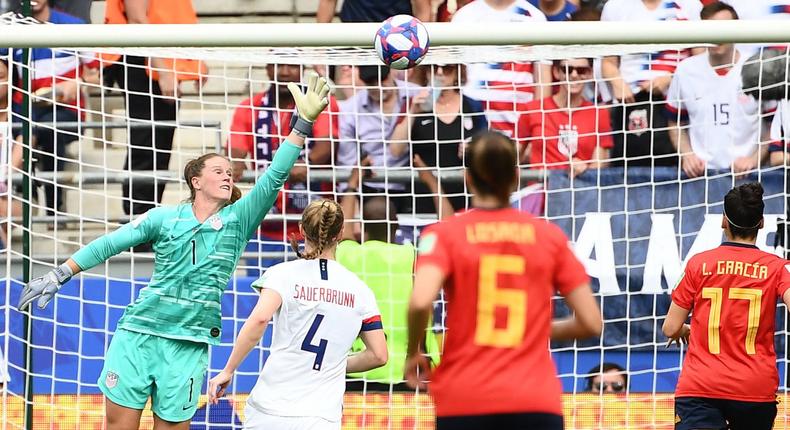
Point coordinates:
[(170, 371)]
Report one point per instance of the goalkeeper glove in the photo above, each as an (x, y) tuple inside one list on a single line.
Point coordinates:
[(310, 104), (45, 287)]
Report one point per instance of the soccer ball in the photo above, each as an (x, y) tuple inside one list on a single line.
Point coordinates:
[(401, 42)]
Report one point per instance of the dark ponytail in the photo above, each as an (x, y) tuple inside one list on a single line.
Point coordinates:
[(743, 209), (235, 194), (491, 161)]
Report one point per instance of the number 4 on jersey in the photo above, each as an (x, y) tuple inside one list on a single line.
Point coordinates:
[(318, 350)]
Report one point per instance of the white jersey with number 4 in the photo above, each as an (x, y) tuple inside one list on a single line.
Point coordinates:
[(324, 309), (723, 121)]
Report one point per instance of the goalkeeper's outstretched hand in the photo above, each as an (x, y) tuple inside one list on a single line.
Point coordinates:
[(314, 100), (45, 287)]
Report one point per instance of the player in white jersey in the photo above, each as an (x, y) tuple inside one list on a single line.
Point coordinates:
[(504, 88), (318, 308), (723, 123)]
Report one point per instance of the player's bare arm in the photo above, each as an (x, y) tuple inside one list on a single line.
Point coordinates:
[(428, 280), (586, 319), (675, 327), (249, 336), (375, 353)]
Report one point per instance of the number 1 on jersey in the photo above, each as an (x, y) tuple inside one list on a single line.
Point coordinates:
[(318, 350)]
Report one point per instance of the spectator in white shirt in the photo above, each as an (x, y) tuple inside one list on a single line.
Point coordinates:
[(762, 10), (634, 73), (722, 128), (367, 121), (504, 88), (639, 82)]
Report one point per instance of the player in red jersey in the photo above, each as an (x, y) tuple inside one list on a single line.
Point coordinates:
[(729, 378), (499, 268)]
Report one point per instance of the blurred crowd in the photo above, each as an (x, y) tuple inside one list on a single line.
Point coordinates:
[(682, 109)]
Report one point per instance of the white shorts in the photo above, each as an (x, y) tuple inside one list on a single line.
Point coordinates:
[(257, 420)]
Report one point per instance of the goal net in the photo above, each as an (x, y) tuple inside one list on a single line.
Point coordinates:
[(89, 141)]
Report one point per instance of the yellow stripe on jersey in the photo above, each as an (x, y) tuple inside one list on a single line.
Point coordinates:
[(714, 318), (755, 298)]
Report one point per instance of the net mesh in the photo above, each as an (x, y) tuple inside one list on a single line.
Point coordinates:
[(633, 214)]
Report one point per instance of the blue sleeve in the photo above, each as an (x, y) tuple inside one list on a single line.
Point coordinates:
[(777, 146), (673, 114), (251, 208), (144, 228), (60, 17)]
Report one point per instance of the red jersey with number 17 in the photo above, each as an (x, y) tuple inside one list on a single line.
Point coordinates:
[(732, 290), (502, 269)]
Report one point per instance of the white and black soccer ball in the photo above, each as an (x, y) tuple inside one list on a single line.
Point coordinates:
[(402, 42)]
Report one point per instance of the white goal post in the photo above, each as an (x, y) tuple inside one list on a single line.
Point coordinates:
[(361, 34)]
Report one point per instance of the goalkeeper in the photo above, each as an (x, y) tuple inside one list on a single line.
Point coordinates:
[(160, 349)]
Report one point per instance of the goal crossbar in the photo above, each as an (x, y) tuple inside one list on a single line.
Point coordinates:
[(361, 34)]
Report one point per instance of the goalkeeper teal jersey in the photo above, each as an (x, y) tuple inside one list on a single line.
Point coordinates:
[(193, 261)]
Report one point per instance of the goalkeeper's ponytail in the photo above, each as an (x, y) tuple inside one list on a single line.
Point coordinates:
[(322, 221), (491, 162), (235, 194)]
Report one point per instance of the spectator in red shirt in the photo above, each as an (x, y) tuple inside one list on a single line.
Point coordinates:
[(729, 377), (499, 268), (565, 130), (259, 125)]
